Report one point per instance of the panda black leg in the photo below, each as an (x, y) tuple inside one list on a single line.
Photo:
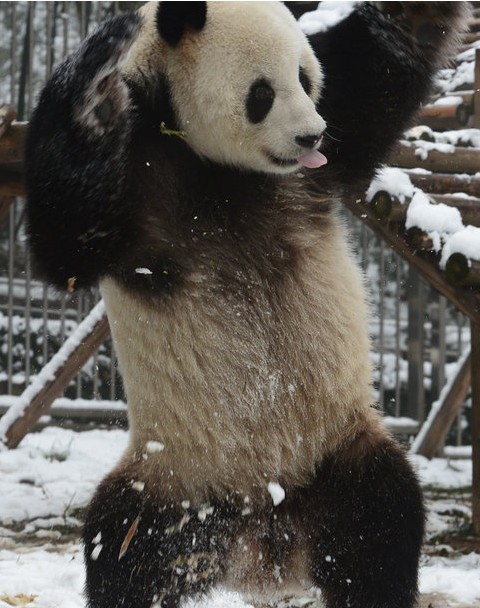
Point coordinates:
[(368, 512), (140, 553)]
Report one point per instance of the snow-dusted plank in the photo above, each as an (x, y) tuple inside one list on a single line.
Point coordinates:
[(444, 410), (54, 377), (438, 157)]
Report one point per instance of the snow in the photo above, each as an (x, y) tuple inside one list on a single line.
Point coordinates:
[(325, 16), (432, 217), (52, 474), (466, 241), (392, 180), (276, 492)]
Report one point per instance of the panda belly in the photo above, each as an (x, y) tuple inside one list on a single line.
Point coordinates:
[(227, 395)]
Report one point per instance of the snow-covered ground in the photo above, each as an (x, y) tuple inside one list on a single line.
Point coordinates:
[(49, 478)]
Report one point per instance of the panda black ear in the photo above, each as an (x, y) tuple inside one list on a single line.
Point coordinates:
[(174, 18)]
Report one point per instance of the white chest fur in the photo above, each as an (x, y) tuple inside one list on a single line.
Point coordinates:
[(238, 392)]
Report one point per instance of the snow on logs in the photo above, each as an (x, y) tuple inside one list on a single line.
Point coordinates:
[(461, 266), (439, 158)]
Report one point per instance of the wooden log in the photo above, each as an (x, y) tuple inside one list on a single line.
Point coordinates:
[(462, 271), (419, 239), (475, 373), (387, 207), (445, 182), (55, 377), (440, 419), (445, 117), (12, 147), (7, 116), (460, 160)]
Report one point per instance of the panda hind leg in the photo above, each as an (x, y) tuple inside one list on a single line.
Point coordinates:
[(140, 553), (366, 518)]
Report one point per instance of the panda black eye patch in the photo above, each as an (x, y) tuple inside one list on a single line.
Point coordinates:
[(305, 81), (259, 100)]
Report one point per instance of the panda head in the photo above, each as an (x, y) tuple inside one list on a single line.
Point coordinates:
[(242, 78)]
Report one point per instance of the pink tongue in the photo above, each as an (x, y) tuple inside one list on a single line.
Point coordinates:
[(312, 159)]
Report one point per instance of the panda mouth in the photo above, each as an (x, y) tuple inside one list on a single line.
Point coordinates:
[(282, 162), (312, 160)]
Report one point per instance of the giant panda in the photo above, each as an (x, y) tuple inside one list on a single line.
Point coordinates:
[(191, 158)]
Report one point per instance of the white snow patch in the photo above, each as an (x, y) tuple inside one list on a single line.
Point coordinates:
[(154, 447), (276, 492), (394, 181), (466, 241), (328, 14), (432, 217), (143, 271), (455, 577)]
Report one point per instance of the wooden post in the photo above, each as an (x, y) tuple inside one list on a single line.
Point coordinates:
[(416, 306), (476, 92), (55, 377), (440, 419), (475, 371)]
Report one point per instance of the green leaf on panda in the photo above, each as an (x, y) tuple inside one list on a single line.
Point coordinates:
[(164, 130)]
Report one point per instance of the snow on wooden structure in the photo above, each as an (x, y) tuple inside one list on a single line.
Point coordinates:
[(54, 377)]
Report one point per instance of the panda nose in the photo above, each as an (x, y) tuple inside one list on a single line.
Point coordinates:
[(307, 141)]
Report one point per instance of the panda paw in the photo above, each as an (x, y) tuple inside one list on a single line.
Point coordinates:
[(434, 27), (98, 61)]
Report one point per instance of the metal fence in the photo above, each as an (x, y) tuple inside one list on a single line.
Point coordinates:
[(416, 335)]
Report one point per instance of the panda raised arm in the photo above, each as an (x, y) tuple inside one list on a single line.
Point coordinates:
[(378, 65)]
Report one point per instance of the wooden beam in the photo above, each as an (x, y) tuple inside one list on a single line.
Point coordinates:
[(476, 91), (441, 418), (475, 373), (55, 377), (461, 160), (432, 183), (12, 147), (467, 301), (7, 116)]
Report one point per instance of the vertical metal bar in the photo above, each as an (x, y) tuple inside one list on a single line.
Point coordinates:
[(28, 318), (113, 372), (438, 345), (381, 319), (49, 39), (13, 52), (475, 361), (416, 300), (398, 330), (45, 324), (11, 267), (31, 52), (65, 23)]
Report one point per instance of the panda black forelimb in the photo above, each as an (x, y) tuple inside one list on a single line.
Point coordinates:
[(78, 163), (379, 64)]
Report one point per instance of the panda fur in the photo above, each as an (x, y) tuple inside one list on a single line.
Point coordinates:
[(166, 159)]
